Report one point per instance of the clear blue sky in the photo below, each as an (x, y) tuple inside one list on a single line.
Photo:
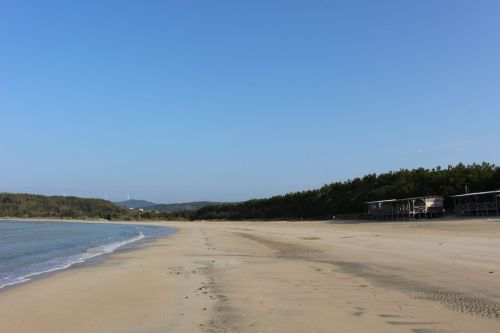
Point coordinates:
[(230, 100)]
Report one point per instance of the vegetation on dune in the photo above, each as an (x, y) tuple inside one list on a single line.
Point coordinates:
[(348, 197), (164, 216)]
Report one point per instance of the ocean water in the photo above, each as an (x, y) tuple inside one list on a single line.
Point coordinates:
[(28, 249)]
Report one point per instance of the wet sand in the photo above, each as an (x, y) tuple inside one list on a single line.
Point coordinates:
[(278, 277)]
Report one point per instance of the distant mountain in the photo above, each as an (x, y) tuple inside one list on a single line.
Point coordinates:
[(178, 207), (133, 203)]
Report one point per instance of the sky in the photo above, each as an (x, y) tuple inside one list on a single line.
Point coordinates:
[(174, 101)]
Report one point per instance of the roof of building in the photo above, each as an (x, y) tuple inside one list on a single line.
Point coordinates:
[(475, 194), (404, 199), (380, 201)]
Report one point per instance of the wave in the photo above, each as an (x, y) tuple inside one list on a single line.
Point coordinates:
[(25, 274)]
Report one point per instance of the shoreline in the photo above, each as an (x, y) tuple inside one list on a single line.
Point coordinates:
[(35, 219), (277, 277), (127, 245)]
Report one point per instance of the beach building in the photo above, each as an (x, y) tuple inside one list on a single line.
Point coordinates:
[(405, 209), (477, 204)]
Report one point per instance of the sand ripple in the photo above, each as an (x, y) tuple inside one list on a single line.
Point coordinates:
[(463, 302)]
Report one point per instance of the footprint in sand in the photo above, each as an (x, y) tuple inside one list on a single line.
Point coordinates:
[(175, 270), (359, 311)]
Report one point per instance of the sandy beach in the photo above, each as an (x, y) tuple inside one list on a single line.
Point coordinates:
[(277, 277)]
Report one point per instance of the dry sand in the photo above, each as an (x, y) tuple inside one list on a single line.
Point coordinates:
[(278, 277)]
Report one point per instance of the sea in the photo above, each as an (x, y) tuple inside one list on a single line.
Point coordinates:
[(31, 249)]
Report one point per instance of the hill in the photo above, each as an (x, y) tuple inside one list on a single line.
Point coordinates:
[(31, 205), (179, 207), (348, 197), (134, 203)]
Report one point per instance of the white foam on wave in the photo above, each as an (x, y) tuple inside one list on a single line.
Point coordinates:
[(65, 262)]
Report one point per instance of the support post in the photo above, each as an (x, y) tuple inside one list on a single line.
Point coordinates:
[(477, 207)]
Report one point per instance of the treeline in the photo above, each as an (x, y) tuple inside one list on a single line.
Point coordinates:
[(163, 216), (347, 198), (341, 198), (30, 205)]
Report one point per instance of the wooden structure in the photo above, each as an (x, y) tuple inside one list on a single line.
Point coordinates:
[(477, 204), (405, 209)]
